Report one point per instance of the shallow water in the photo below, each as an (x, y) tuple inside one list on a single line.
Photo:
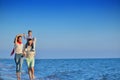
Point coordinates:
[(65, 69)]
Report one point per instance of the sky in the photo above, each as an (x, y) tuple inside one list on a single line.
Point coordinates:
[(63, 28)]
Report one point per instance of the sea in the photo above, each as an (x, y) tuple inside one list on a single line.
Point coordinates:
[(65, 69)]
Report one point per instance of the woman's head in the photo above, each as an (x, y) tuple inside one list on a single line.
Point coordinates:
[(19, 39), (30, 41)]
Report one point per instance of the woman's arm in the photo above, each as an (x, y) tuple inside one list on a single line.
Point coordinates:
[(24, 52), (16, 39)]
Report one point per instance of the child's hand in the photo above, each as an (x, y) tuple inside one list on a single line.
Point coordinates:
[(23, 34)]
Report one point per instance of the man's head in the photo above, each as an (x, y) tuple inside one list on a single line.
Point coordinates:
[(29, 33)]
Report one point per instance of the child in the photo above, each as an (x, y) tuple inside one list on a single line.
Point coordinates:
[(29, 36)]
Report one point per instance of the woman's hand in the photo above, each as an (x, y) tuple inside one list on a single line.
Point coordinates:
[(24, 54), (20, 35)]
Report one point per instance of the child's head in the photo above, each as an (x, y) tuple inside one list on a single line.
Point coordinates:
[(29, 33)]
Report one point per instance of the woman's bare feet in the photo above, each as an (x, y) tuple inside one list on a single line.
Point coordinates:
[(18, 75), (33, 76)]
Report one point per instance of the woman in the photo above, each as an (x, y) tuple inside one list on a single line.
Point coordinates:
[(18, 48), (29, 53)]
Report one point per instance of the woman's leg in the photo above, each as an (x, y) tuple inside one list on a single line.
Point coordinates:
[(29, 68), (18, 75), (17, 61), (29, 72), (20, 65), (32, 71), (32, 67)]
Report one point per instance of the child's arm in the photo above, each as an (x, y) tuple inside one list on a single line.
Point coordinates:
[(24, 35)]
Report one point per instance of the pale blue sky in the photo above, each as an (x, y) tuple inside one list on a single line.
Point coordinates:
[(63, 28)]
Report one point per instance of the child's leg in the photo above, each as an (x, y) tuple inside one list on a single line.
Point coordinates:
[(34, 44)]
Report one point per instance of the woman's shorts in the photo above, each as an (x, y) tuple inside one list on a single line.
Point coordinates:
[(30, 62)]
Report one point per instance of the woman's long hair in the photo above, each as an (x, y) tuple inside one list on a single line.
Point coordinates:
[(17, 38), (27, 44)]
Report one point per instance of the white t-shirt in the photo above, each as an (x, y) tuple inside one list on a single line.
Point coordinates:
[(18, 48), (29, 53)]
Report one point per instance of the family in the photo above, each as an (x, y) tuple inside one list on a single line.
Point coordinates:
[(27, 51)]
